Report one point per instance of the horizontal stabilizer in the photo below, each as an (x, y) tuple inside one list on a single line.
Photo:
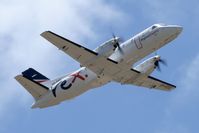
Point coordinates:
[(34, 88)]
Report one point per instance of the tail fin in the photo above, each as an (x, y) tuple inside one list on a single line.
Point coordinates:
[(31, 80), (34, 75)]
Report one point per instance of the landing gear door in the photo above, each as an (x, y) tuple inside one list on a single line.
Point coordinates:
[(137, 42)]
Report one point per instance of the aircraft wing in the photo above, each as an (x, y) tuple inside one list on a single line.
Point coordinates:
[(76, 51), (84, 56), (148, 82)]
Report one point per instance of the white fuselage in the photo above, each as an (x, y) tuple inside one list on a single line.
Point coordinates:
[(134, 50)]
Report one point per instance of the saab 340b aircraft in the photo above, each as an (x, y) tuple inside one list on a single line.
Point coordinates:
[(111, 61)]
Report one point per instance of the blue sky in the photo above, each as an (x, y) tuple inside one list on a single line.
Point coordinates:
[(111, 108)]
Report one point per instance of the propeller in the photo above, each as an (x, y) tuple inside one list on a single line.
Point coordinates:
[(116, 43), (157, 63)]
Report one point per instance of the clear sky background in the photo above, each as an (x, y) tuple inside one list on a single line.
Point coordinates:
[(111, 108)]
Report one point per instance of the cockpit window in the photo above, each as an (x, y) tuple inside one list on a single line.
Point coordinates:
[(153, 27)]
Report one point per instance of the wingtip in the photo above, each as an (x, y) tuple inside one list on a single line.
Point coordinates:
[(172, 88), (44, 33), (18, 77)]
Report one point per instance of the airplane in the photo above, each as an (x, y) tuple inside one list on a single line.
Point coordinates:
[(111, 61)]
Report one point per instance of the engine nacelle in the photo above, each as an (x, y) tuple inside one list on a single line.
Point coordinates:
[(107, 48), (147, 66)]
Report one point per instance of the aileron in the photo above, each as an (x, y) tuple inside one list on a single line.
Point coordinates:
[(163, 82)]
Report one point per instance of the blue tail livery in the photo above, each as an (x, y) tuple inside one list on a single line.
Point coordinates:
[(34, 75)]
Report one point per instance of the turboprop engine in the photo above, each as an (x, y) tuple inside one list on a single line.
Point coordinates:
[(108, 47), (149, 65)]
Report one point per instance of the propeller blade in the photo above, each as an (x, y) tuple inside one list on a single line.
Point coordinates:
[(117, 45), (113, 35), (157, 63), (120, 49), (157, 66), (164, 62), (121, 40)]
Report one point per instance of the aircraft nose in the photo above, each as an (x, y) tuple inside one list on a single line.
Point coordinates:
[(176, 28), (179, 29), (173, 30)]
